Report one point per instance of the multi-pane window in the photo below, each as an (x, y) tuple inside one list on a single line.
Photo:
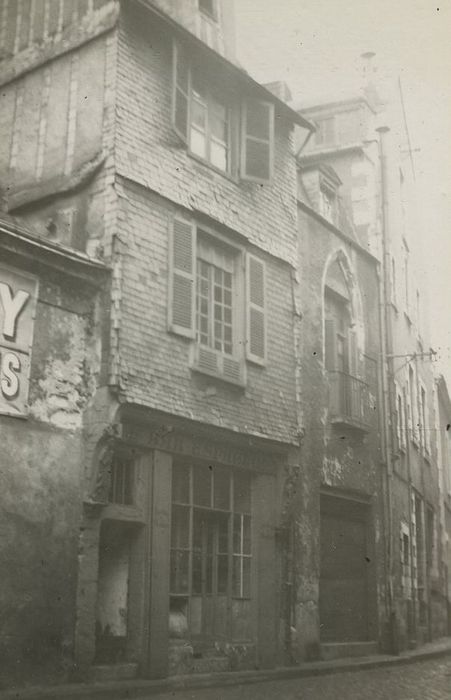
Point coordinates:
[(217, 297), (207, 120), (210, 127), (214, 298), (210, 541)]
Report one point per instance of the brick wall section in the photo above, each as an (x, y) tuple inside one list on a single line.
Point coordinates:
[(149, 152), (155, 364)]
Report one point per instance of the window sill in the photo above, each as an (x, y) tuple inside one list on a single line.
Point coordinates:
[(126, 513), (343, 421), (221, 367), (231, 177)]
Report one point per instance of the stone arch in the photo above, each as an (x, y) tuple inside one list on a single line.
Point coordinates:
[(339, 277)]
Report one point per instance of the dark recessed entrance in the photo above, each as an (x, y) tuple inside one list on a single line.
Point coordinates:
[(343, 593)]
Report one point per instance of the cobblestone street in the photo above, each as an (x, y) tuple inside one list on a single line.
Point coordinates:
[(425, 680)]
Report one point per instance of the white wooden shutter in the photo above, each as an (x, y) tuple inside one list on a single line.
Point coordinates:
[(330, 345), (181, 81), (257, 141), (182, 271), (256, 310)]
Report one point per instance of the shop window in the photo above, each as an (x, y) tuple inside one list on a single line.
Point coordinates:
[(210, 548), (209, 123), (214, 303)]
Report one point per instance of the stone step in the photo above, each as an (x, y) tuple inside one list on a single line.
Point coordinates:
[(341, 650)]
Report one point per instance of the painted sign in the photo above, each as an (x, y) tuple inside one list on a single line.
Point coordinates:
[(18, 294)]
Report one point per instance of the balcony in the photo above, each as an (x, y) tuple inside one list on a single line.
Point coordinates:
[(349, 401)]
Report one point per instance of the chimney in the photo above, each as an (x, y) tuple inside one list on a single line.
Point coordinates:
[(368, 68)]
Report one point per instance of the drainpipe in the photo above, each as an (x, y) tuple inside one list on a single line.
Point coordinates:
[(387, 387)]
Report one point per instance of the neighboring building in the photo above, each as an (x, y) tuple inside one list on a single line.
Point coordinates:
[(118, 141), (51, 366), (443, 432), (339, 598), (366, 140)]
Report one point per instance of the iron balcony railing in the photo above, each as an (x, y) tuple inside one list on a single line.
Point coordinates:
[(349, 399)]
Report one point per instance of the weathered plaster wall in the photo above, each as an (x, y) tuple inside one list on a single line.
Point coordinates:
[(41, 483), (331, 456)]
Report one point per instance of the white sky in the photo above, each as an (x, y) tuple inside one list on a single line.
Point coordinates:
[(314, 46)]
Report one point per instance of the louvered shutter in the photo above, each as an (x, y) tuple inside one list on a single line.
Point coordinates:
[(257, 141), (182, 270), (256, 311), (180, 92), (330, 345)]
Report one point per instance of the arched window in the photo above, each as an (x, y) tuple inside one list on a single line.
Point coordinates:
[(340, 336), (348, 392)]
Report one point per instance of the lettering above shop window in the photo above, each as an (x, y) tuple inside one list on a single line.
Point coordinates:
[(18, 293)]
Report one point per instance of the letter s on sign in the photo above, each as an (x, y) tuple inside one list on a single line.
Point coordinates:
[(9, 379)]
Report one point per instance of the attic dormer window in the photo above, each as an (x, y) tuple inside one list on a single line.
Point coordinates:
[(232, 135), (209, 8), (327, 202)]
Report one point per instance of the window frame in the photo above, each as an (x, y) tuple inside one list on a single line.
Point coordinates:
[(194, 507), (182, 310), (238, 134), (238, 253), (232, 129)]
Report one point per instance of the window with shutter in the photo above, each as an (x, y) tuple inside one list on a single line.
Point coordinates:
[(182, 265), (218, 351), (256, 312), (181, 88), (206, 118), (257, 141)]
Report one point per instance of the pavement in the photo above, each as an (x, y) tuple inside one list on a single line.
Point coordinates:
[(420, 674)]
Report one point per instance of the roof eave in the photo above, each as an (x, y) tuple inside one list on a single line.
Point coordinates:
[(240, 74)]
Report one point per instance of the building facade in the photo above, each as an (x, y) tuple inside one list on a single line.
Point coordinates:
[(366, 139), (118, 143), (51, 366), (339, 595)]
